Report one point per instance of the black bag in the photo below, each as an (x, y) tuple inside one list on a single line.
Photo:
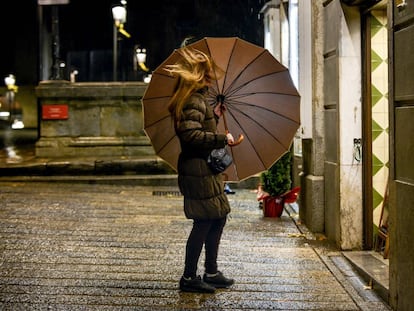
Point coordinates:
[(219, 160)]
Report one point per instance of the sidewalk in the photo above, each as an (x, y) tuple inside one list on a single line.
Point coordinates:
[(79, 246)]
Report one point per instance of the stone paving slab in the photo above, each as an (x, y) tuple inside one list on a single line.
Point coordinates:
[(77, 246)]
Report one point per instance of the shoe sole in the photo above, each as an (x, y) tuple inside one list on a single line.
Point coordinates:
[(193, 290), (218, 285)]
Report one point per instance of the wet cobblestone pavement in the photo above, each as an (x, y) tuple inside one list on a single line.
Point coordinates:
[(79, 246)]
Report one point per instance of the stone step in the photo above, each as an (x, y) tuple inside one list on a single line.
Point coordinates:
[(154, 180), (143, 171), (86, 166)]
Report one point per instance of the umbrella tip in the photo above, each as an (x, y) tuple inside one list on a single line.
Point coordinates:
[(188, 40)]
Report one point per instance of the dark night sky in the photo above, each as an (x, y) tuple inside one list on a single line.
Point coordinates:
[(159, 26)]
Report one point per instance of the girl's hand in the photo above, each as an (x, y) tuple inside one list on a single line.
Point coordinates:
[(230, 139)]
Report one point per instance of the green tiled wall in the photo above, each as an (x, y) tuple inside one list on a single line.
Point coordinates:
[(379, 78)]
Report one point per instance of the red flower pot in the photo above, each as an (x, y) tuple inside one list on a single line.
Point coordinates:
[(292, 195), (273, 206)]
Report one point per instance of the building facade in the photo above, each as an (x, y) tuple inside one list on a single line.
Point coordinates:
[(348, 58)]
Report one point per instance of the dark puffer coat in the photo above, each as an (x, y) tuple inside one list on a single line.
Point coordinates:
[(203, 192)]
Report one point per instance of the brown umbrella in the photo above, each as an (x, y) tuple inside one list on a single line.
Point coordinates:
[(261, 103)]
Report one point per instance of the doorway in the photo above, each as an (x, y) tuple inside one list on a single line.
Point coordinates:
[(376, 123)]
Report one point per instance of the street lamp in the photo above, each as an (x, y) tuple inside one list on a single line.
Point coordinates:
[(10, 82), (13, 115), (119, 16), (140, 56)]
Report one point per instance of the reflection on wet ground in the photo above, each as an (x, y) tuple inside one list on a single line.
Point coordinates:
[(82, 246)]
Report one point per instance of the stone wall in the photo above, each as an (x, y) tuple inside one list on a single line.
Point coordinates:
[(103, 119)]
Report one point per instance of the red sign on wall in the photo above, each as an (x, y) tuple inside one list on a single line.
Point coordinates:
[(55, 112)]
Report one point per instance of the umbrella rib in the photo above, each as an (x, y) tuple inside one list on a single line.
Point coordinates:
[(233, 103), (227, 68), (157, 97), (166, 143), (248, 138), (212, 95), (216, 80), (250, 81), (238, 96), (230, 98), (156, 121), (264, 129), (247, 66)]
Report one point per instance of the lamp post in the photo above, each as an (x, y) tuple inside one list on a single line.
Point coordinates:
[(55, 44), (44, 51), (119, 16)]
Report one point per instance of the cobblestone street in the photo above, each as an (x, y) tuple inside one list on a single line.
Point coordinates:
[(81, 246)]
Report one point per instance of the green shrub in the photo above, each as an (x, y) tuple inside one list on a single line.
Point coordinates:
[(277, 179)]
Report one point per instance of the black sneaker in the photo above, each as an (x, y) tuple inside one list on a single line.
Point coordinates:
[(195, 285), (218, 281)]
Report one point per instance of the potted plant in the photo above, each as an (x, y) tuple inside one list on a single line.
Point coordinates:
[(276, 186)]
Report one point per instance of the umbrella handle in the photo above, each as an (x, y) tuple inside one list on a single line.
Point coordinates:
[(225, 122), (238, 141)]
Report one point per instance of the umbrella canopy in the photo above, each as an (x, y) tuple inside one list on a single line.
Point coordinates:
[(261, 103)]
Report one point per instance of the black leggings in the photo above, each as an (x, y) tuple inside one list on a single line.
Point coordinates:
[(207, 233)]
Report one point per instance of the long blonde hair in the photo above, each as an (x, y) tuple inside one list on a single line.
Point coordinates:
[(195, 70)]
